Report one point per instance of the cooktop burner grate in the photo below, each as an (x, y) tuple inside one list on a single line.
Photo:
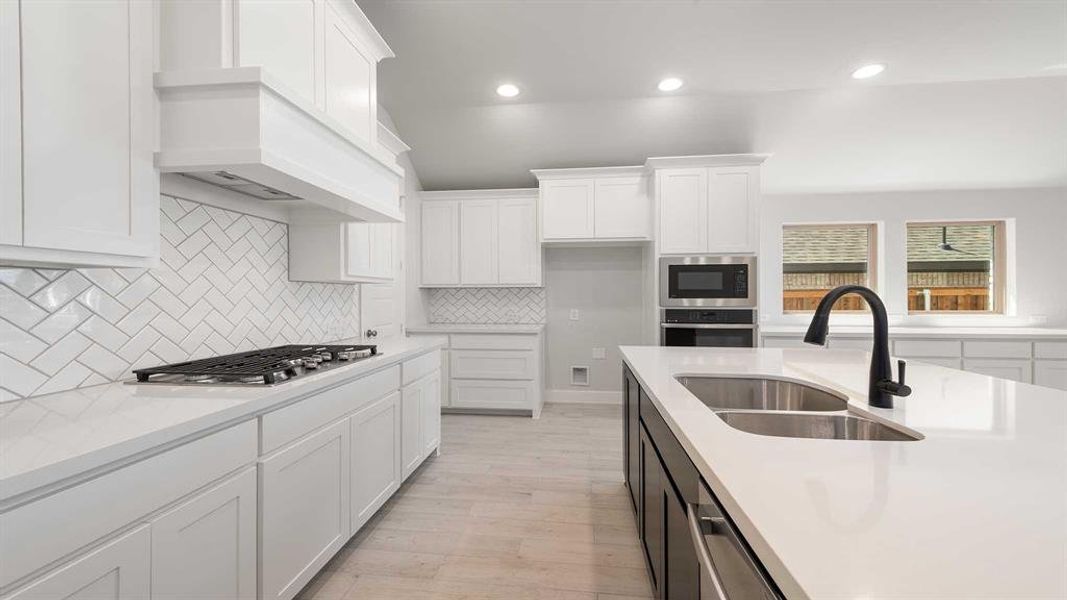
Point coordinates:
[(266, 366)]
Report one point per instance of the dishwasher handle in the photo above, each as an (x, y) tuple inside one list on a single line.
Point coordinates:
[(710, 585)]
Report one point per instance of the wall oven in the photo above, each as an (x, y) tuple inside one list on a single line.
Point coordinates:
[(722, 328), (707, 281)]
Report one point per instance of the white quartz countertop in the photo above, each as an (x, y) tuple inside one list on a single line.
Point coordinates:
[(47, 439), (976, 509), (924, 332), (442, 328)]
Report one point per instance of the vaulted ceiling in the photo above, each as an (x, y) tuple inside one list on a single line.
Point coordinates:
[(975, 94)]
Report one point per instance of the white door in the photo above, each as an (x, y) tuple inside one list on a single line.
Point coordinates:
[(440, 243), (206, 548), (118, 570), (411, 451), (566, 209), (10, 125), (381, 310), (732, 216), (478, 242), (519, 250), (683, 217), (88, 127), (304, 509), (431, 413), (261, 27), (349, 78), (1014, 369), (376, 468), (622, 208), (1051, 373)]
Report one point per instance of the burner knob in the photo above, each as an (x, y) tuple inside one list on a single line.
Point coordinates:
[(325, 357), (310, 364), (345, 355), (361, 353)]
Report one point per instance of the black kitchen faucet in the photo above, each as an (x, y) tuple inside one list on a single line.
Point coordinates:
[(881, 388)]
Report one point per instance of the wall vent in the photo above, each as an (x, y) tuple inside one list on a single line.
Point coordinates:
[(579, 375)]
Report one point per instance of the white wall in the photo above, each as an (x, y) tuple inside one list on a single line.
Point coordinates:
[(605, 285), (1040, 241)]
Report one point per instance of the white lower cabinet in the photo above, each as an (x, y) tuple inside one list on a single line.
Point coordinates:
[(118, 570), (1005, 368), (421, 421), (376, 467), (430, 434), (1051, 373), (304, 509), (493, 394), (206, 547)]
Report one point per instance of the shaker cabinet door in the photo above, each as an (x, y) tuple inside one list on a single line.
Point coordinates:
[(732, 211), (478, 242), (376, 467), (440, 243), (567, 209), (622, 208), (683, 210), (518, 248), (411, 423), (431, 413)]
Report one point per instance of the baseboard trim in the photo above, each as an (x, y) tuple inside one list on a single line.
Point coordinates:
[(583, 397)]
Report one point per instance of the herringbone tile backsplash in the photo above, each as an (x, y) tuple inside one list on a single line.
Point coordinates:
[(487, 305), (222, 286)]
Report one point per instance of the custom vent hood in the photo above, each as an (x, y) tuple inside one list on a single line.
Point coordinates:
[(241, 129)]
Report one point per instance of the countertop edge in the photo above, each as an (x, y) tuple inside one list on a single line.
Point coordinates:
[(40, 481)]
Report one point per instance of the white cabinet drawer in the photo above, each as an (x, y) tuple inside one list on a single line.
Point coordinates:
[(1014, 369), (477, 341), (286, 424), (32, 536), (1051, 373), (996, 349), (1050, 350), (421, 366), (951, 363), (924, 348), (493, 394), (850, 343), (493, 364), (785, 342)]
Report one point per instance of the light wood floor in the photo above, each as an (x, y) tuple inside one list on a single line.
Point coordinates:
[(513, 508)]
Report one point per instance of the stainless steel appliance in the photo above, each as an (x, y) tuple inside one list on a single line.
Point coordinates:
[(268, 366), (720, 281), (721, 327), (729, 570)]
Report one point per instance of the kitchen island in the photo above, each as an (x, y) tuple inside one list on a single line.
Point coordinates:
[(975, 508)]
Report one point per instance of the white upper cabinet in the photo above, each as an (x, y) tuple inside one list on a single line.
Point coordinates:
[(708, 204), (595, 204), (79, 124), (280, 96), (480, 238), (440, 243)]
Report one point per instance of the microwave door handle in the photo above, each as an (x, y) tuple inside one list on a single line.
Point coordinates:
[(706, 326), (703, 555)]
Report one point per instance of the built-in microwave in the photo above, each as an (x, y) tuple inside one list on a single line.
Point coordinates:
[(720, 281)]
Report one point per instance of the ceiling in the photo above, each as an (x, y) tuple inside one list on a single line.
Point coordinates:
[(975, 94)]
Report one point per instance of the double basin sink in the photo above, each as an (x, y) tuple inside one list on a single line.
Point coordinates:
[(782, 408)]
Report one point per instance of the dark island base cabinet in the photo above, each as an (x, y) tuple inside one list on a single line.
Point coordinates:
[(662, 521)]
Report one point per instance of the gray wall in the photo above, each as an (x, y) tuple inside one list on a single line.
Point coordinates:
[(605, 285)]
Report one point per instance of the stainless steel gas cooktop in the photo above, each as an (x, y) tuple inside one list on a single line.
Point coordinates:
[(269, 366)]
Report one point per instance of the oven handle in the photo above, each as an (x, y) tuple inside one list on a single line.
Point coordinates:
[(704, 555), (705, 326)]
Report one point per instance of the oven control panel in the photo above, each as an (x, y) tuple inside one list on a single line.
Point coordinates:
[(705, 315)]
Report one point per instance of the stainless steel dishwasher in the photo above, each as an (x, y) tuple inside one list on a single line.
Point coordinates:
[(728, 568)]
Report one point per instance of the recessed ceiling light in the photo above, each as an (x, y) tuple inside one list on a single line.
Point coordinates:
[(670, 84), (867, 71), (507, 90)]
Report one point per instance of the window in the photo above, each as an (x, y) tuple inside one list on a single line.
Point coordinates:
[(818, 258), (955, 267)]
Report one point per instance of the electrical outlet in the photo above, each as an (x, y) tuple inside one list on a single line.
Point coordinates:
[(599, 354), (574, 314)]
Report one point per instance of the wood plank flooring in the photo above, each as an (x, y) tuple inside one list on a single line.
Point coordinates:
[(513, 508)]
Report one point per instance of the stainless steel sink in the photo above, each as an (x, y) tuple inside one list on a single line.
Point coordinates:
[(734, 393), (817, 426)]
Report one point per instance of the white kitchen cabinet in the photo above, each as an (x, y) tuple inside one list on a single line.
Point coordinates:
[(411, 423), (1005, 368), (478, 242), (480, 238), (430, 432), (376, 467), (118, 570), (304, 509), (342, 252), (594, 204), (518, 249), (708, 204), (279, 36), (350, 76), (1051, 373), (491, 394), (440, 243), (206, 547), (567, 209), (79, 121)]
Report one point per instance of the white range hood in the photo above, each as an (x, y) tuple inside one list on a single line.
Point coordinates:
[(243, 130)]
